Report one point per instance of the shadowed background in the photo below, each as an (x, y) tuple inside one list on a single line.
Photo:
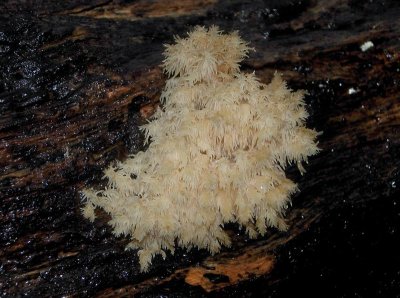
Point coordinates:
[(78, 77)]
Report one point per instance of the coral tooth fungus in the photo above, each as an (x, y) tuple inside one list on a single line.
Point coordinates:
[(217, 154)]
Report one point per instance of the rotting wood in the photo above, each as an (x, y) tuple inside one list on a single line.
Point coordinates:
[(74, 87)]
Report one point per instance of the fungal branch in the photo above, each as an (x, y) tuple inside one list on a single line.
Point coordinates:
[(217, 154)]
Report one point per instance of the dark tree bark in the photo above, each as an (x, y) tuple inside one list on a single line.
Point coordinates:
[(78, 77)]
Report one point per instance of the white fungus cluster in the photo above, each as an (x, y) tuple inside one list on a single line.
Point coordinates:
[(217, 154)]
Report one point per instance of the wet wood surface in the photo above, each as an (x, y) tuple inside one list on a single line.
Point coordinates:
[(78, 77)]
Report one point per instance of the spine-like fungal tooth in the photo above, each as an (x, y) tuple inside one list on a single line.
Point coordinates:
[(217, 153)]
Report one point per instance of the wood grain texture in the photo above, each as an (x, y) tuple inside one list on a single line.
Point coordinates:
[(78, 77)]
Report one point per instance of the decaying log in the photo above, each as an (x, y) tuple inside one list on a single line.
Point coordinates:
[(77, 78)]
